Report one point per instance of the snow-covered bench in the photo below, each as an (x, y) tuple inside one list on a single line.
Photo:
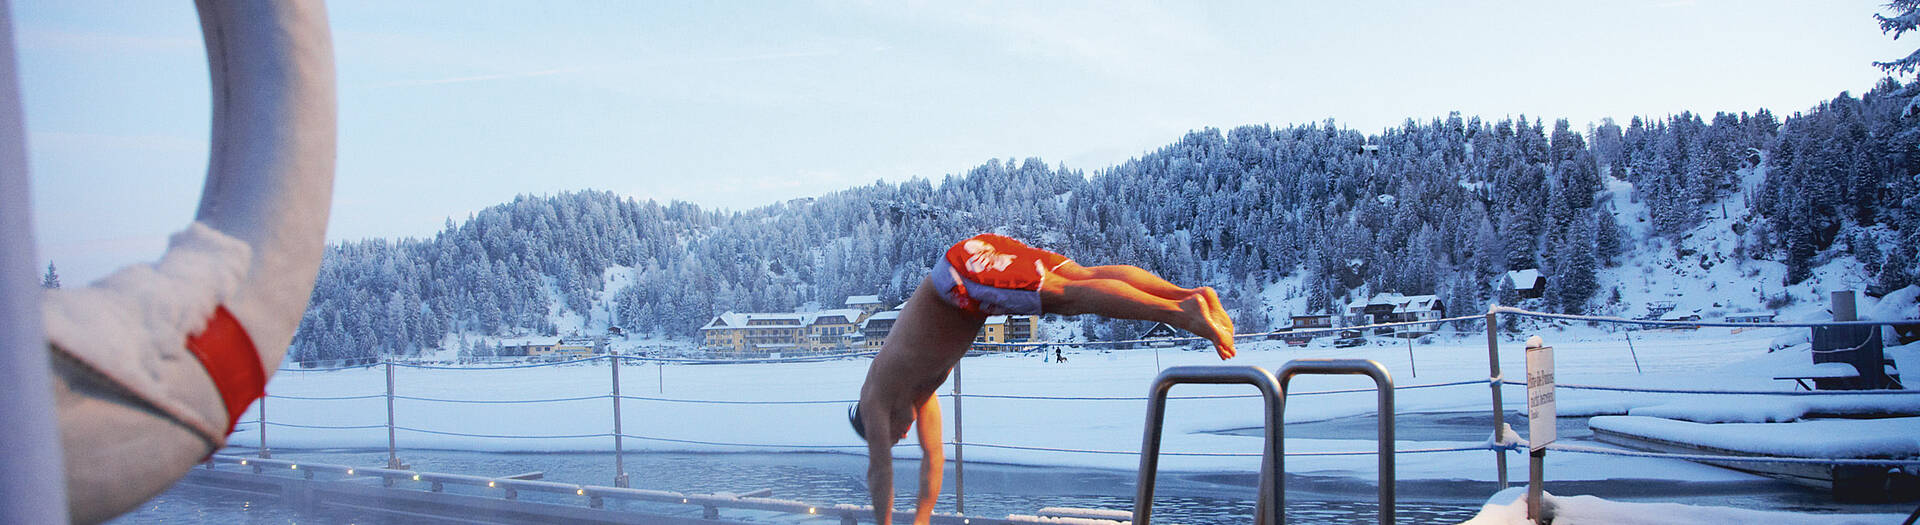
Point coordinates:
[(1803, 372)]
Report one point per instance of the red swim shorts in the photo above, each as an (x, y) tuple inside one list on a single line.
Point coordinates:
[(993, 274)]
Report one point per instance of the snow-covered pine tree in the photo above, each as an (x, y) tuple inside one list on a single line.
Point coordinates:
[(51, 279)]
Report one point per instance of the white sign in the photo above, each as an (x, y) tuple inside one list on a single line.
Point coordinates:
[(1540, 410)]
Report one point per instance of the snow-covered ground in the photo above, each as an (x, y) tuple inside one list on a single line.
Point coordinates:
[(1509, 507)]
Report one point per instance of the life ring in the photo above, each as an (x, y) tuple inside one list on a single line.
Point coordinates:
[(152, 365)]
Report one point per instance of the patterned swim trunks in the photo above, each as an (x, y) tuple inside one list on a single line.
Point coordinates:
[(994, 275)]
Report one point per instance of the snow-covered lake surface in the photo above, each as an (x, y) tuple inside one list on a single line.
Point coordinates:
[(696, 411)]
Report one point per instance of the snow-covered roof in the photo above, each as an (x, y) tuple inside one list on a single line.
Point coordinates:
[(1158, 331), (827, 316), (1400, 303), (888, 315), (996, 319), (780, 316), (731, 320), (862, 300), (1680, 316), (1523, 279), (726, 320), (1749, 314), (1416, 303)]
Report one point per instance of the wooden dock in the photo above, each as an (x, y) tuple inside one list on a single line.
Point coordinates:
[(463, 498), (1846, 483)]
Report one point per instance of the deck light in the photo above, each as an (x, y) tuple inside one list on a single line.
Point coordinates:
[(582, 492), (489, 484), (243, 462), (349, 472), (294, 467), (809, 510), (416, 477)]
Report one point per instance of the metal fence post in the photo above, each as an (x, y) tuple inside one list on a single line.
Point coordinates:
[(619, 458), (263, 429), (393, 457), (959, 448), (1493, 382)]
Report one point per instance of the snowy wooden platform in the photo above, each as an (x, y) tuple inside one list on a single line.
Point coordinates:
[(408, 495), (1887, 438)]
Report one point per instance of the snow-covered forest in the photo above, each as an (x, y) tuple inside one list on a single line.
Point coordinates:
[(1438, 207)]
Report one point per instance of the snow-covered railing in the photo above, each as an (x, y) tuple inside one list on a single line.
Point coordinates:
[(1709, 391), (1316, 332), (1685, 324)]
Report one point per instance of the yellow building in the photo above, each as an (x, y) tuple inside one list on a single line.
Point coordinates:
[(866, 304), (874, 329), (566, 349), (1007, 329), (821, 331), (833, 329)]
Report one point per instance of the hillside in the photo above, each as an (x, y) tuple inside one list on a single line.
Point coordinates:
[(1736, 212)]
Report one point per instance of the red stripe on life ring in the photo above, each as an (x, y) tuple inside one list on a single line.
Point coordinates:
[(227, 353)]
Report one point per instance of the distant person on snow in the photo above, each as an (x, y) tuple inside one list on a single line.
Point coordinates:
[(993, 275)]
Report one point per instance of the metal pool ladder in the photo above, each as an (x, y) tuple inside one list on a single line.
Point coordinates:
[(1272, 499)]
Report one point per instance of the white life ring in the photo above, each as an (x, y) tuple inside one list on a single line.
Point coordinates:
[(153, 364)]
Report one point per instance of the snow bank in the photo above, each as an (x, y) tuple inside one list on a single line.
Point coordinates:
[(1779, 409), (1874, 438), (1509, 507), (1720, 411)]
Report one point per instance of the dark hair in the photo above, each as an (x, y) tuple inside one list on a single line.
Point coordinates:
[(853, 417)]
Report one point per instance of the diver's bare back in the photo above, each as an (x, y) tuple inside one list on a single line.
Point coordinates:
[(923, 345)]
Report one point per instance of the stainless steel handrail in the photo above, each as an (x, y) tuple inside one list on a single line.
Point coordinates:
[(1383, 382), (1272, 497)]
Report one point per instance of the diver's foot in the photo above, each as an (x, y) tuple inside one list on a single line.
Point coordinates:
[(1199, 319)]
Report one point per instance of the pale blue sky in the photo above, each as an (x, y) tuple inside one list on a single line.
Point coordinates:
[(449, 107)]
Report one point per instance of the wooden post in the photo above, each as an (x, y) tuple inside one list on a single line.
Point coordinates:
[(1632, 352), (1410, 365), (1535, 488)]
